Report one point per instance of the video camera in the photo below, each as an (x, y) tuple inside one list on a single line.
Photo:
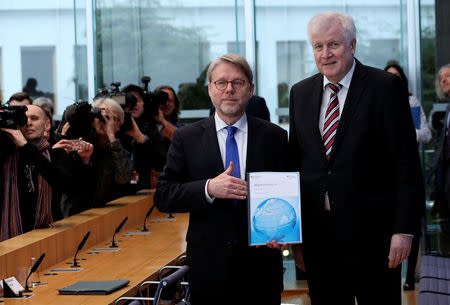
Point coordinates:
[(152, 100), (13, 116), (80, 116), (125, 100), (114, 93)]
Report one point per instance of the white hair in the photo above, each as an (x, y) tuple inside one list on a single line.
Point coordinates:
[(326, 18), (115, 107), (440, 93), (44, 102)]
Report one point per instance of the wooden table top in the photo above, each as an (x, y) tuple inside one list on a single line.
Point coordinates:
[(140, 256)]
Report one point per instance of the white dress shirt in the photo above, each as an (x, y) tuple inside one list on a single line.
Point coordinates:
[(342, 95), (240, 136)]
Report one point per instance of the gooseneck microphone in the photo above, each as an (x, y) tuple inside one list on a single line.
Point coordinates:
[(119, 227), (33, 269), (144, 228), (75, 263)]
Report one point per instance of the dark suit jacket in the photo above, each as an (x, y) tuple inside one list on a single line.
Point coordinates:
[(373, 177), (194, 157)]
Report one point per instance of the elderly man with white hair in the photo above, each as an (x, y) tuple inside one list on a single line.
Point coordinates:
[(353, 140)]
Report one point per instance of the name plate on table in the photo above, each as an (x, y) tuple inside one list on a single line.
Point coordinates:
[(11, 287), (274, 207)]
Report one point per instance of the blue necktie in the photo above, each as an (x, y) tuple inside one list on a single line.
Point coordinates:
[(231, 152)]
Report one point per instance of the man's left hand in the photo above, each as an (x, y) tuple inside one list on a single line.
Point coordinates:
[(16, 136), (275, 245), (400, 247)]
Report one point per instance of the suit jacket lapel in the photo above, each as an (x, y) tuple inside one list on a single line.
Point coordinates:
[(254, 138), (357, 86), (316, 102), (212, 151)]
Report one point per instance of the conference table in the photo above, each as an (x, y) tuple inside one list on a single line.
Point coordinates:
[(138, 258)]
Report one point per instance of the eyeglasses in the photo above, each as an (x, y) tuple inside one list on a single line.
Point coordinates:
[(237, 84)]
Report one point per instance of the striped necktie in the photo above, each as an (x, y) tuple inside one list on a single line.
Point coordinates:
[(331, 119)]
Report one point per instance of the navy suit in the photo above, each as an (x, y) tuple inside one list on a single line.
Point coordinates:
[(223, 267)]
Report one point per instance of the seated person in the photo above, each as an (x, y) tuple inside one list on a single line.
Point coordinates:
[(31, 181)]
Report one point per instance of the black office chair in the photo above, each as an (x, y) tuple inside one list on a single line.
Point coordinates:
[(162, 285)]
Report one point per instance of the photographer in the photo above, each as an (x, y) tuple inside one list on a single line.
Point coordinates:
[(111, 162), (32, 183), (20, 98), (149, 151), (168, 113)]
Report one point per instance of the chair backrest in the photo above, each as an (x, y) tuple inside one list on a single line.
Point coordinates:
[(170, 280)]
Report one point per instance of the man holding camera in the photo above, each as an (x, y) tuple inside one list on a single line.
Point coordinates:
[(148, 147), (20, 98), (31, 182)]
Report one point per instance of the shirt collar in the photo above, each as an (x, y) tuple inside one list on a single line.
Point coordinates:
[(241, 124), (345, 82)]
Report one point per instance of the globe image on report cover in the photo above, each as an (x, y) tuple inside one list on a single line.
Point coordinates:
[(275, 219)]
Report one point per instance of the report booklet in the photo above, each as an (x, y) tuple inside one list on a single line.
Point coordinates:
[(274, 207)]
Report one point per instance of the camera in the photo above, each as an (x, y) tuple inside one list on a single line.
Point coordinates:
[(114, 93), (152, 100), (99, 113), (125, 100), (80, 117), (13, 116)]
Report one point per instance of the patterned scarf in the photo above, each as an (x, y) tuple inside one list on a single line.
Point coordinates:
[(43, 217), (11, 219), (11, 222)]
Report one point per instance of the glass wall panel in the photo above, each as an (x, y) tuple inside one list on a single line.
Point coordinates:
[(435, 239), (172, 42), (38, 71), (40, 46), (286, 57), (2, 101), (80, 50)]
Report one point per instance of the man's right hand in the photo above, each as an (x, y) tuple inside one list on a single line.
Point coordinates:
[(297, 252), (135, 132), (226, 186)]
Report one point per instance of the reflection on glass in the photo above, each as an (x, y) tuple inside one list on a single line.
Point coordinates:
[(171, 43), (38, 71)]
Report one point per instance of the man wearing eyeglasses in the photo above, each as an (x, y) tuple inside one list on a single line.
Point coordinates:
[(205, 176)]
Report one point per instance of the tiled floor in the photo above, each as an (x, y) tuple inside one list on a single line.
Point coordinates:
[(299, 296)]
